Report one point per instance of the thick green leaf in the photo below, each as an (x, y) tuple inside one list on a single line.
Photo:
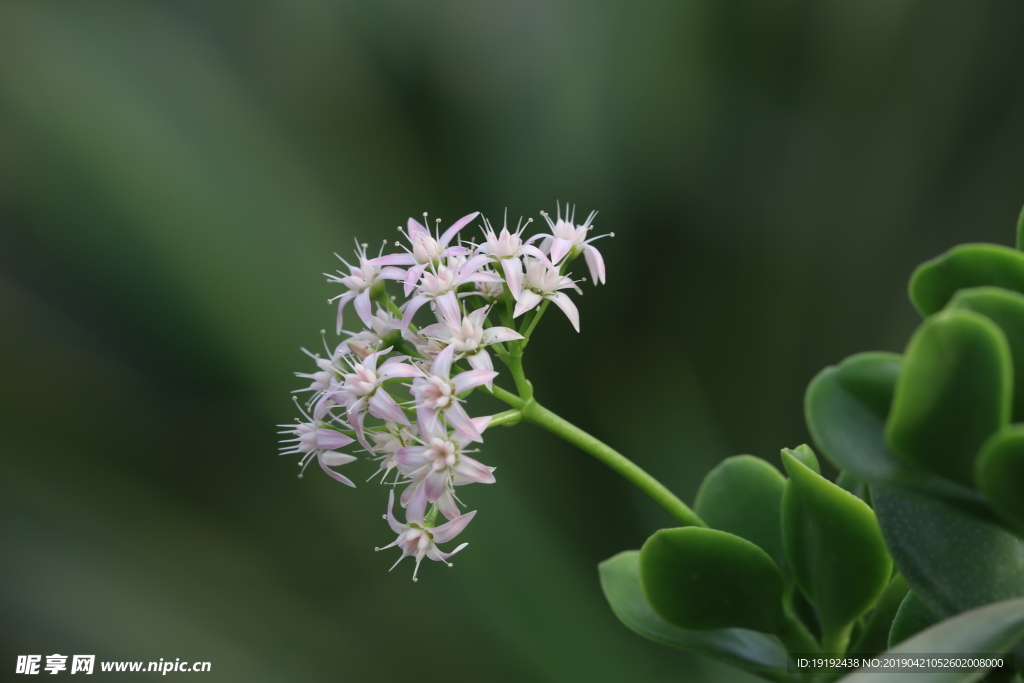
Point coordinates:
[(1020, 230), (935, 282), (1005, 309), (701, 579), (875, 637), (991, 629), (835, 549), (999, 474), (620, 580), (857, 487), (953, 393), (913, 617), (805, 455), (846, 409), (953, 561), (743, 496)]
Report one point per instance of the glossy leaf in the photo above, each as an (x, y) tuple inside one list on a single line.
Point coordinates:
[(914, 616), (834, 547), (620, 581), (1005, 309), (953, 393), (875, 637), (701, 579), (743, 496), (991, 629), (846, 408), (999, 474), (805, 455), (1020, 230), (935, 282), (953, 561)]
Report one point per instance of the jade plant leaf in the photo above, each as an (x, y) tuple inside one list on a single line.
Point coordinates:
[(991, 629), (935, 282), (743, 496), (875, 637), (835, 549), (701, 579), (914, 616), (846, 408), (805, 455), (953, 393), (999, 473), (755, 652), (953, 561), (1005, 309)]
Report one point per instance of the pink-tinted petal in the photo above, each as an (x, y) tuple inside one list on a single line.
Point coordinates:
[(435, 554), (528, 299), (493, 335), (395, 525), (439, 331), (442, 365), (411, 457), (416, 508), (356, 420), (480, 277), (364, 308), (414, 304), (459, 419), (429, 422), (448, 308), (415, 228), (471, 266), (329, 440), (342, 301), (392, 273), (513, 269), (471, 471), (334, 475), (448, 234), (530, 250), (559, 248), (394, 367), (334, 459), (405, 259), (412, 276), (595, 262), (481, 360), (472, 378), (435, 483), (563, 301), (449, 530), (384, 407), (446, 505)]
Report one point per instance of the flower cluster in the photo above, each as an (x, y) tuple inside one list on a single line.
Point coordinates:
[(397, 391)]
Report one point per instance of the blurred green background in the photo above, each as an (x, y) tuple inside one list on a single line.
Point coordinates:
[(174, 177)]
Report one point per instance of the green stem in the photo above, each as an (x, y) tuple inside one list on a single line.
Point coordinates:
[(508, 418), (630, 471), (533, 323), (837, 642)]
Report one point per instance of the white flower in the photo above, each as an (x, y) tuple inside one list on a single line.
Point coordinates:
[(568, 239), (424, 249), (543, 281), (317, 440), (469, 337), (507, 248), (360, 281), (418, 540), (436, 393), (438, 465), (363, 391)]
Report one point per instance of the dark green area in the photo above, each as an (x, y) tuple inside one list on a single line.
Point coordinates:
[(174, 180)]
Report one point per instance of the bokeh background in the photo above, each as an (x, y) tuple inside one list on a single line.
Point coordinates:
[(174, 180)]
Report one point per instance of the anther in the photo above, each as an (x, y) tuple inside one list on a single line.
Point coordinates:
[(376, 550), (414, 579), (611, 234)]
